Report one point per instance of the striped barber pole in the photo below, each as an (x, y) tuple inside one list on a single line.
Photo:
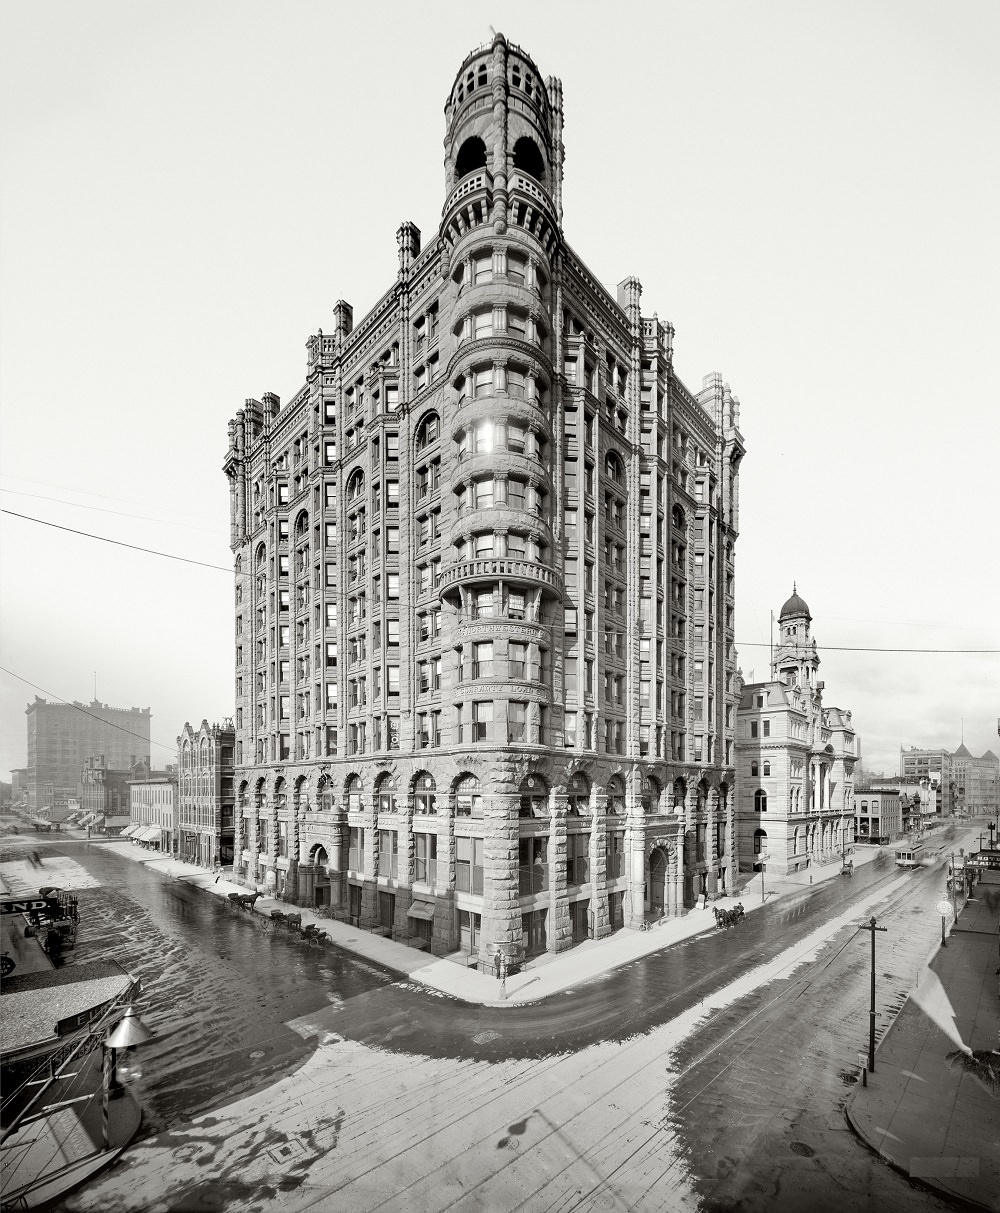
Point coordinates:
[(105, 1096)]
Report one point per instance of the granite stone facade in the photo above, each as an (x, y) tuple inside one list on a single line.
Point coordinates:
[(795, 759), (484, 581)]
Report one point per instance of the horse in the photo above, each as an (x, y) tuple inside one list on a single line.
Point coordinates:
[(723, 918), (245, 901)]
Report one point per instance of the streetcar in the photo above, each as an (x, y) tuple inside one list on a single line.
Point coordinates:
[(910, 855)]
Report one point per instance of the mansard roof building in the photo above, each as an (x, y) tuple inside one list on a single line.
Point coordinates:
[(794, 759), (485, 580)]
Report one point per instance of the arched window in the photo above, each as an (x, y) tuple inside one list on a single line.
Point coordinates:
[(578, 794), (239, 564), (353, 790), (356, 485), (755, 769), (301, 525), (759, 841), (468, 797), (528, 158), (534, 797), (614, 467), (680, 791), (616, 795), (424, 794), (678, 518), (279, 795), (651, 799), (760, 801), (767, 768), (471, 155), (261, 556), (385, 793), (324, 794), (428, 431)]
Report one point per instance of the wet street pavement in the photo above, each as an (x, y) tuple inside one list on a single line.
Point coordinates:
[(294, 1077)]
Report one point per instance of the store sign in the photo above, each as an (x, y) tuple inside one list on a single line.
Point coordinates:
[(983, 859)]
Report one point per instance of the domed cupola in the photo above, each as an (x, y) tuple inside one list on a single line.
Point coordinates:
[(795, 607)]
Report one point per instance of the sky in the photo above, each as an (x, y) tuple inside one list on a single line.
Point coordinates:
[(807, 191)]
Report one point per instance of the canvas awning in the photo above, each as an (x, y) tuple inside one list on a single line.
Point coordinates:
[(149, 834), (129, 831), (421, 909)]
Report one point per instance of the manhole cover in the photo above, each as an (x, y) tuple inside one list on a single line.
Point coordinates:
[(484, 1038), (800, 1147), (256, 1054)]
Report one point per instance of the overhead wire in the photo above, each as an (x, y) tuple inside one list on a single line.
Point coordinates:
[(833, 648), (80, 708)]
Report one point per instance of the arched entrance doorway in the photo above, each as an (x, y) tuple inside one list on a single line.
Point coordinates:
[(657, 881), (320, 861)]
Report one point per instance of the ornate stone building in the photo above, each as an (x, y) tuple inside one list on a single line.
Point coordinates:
[(484, 580), (205, 793), (794, 759)]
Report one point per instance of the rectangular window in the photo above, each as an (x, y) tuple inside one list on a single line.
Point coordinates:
[(482, 721), (388, 854), (517, 722), (577, 859), (356, 851), (469, 865), (425, 858)]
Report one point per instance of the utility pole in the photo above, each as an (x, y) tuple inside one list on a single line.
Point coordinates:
[(871, 926)]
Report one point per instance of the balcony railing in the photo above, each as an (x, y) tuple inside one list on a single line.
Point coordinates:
[(490, 567)]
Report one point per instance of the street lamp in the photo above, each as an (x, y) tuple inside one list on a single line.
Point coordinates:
[(128, 1034), (762, 860)]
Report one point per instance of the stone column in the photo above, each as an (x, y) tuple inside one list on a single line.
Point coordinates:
[(560, 933), (369, 893), (600, 914), (338, 848), (636, 866), (501, 924), (712, 855)]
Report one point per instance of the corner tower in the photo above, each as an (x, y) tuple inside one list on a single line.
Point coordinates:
[(796, 661)]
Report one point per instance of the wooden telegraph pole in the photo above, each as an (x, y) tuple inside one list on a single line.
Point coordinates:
[(871, 926)]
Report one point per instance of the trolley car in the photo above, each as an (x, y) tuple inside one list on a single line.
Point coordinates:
[(910, 855)]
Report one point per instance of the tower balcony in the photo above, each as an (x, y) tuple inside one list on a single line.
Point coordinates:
[(501, 461), (490, 569), (500, 517), (529, 411)]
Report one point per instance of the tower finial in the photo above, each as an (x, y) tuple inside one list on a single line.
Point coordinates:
[(795, 588)]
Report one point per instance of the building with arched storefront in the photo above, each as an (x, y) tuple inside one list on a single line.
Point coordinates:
[(484, 581), (794, 759)]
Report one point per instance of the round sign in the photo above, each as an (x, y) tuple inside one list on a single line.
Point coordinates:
[(943, 908)]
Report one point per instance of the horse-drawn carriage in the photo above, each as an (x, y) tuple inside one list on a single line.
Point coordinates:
[(724, 919)]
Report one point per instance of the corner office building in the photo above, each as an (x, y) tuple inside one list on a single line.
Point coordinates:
[(484, 581)]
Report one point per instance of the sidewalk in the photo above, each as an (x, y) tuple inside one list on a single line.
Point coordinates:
[(933, 1121), (545, 975)]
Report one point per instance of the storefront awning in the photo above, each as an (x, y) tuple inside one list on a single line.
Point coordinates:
[(149, 834), (421, 909), (129, 831)]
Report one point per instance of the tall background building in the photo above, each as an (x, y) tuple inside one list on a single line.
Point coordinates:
[(485, 580), (62, 735), (967, 786)]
